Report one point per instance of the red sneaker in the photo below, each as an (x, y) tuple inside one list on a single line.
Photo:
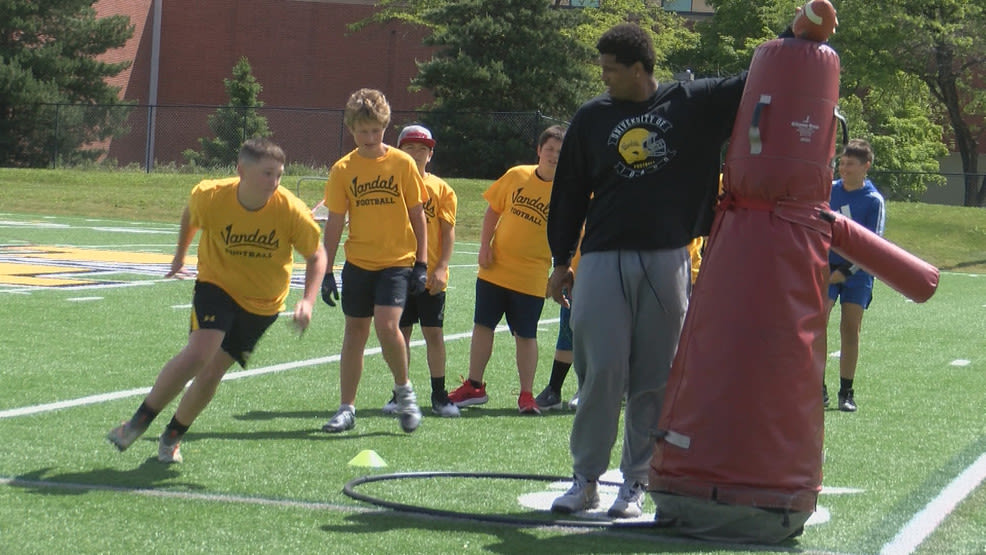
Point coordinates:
[(526, 403), (466, 395)]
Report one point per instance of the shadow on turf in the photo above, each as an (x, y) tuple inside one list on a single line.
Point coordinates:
[(468, 412), (150, 474), (517, 539)]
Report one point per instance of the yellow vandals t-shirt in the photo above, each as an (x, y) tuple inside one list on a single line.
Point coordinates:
[(521, 256), (377, 193), (440, 206), (249, 253)]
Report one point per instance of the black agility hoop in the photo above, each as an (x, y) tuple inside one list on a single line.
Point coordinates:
[(350, 490)]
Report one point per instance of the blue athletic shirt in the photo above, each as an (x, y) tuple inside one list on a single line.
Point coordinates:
[(865, 207)]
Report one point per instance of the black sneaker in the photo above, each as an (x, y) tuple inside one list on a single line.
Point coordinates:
[(442, 405), (825, 395), (846, 402)]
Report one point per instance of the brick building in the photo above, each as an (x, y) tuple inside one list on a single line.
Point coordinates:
[(300, 51)]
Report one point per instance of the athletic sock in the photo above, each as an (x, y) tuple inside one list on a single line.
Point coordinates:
[(174, 431), (143, 417), (559, 371), (845, 385), (438, 384), (474, 383)]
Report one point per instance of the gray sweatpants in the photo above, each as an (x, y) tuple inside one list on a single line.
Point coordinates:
[(627, 311)]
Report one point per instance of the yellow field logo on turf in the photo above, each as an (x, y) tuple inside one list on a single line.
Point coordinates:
[(47, 266)]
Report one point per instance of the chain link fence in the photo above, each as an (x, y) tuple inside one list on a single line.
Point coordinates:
[(470, 144)]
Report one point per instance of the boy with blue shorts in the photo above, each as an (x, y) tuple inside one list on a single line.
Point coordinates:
[(514, 260), (854, 196)]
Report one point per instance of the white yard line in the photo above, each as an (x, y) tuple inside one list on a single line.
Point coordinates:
[(112, 396), (186, 495), (927, 521)]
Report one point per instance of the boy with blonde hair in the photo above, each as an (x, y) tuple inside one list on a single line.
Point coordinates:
[(380, 189)]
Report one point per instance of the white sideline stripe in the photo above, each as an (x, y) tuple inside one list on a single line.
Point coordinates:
[(102, 398), (928, 519), (188, 496)]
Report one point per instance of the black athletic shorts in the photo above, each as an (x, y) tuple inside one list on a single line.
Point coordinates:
[(214, 309), (364, 289), (426, 309)]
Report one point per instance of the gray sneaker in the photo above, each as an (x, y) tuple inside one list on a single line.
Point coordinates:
[(408, 412), (168, 452), (548, 399), (342, 420), (123, 436), (582, 496), (391, 406), (629, 501)]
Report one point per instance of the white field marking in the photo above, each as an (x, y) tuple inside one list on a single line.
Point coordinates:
[(34, 289), (835, 354), (179, 306), (928, 519), (128, 246), (960, 362), (83, 299), (104, 397), (186, 495)]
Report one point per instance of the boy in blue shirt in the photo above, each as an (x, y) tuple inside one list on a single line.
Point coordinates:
[(854, 196)]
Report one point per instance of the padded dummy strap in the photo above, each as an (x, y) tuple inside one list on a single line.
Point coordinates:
[(756, 145)]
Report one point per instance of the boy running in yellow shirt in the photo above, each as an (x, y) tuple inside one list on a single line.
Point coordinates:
[(250, 227)]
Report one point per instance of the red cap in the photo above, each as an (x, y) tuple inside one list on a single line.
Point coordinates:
[(416, 134)]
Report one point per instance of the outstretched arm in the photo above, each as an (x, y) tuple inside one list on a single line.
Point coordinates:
[(314, 270), (186, 232)]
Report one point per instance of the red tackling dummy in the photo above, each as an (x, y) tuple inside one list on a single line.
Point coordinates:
[(739, 453)]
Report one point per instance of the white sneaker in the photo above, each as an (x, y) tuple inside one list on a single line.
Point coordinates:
[(408, 412), (629, 501), (582, 496), (574, 402), (168, 452), (342, 420), (391, 406), (123, 435)]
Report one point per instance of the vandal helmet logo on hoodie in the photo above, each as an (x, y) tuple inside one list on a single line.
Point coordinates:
[(641, 146)]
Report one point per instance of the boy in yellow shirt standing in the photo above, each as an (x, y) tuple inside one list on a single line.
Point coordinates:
[(428, 307), (379, 187), (250, 227), (514, 261)]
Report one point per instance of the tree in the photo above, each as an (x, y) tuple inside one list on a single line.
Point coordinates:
[(509, 56), (48, 60), (235, 122), (882, 105), (938, 42)]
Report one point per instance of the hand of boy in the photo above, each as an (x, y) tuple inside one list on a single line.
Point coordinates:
[(330, 291), (419, 279)]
